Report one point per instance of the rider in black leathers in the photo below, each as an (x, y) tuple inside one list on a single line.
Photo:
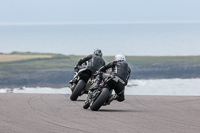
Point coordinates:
[(95, 62), (121, 70)]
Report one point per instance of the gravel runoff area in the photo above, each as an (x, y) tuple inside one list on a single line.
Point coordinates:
[(55, 113)]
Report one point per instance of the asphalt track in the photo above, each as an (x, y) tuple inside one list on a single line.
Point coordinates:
[(54, 113)]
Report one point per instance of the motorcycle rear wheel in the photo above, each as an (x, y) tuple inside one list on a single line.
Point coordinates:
[(77, 90), (102, 98)]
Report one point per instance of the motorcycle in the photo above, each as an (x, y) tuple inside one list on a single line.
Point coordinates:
[(102, 96), (81, 87)]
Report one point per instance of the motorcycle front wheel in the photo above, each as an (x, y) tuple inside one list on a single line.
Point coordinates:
[(104, 95), (77, 90)]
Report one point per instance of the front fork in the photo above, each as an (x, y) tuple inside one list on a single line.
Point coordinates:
[(72, 87), (92, 96)]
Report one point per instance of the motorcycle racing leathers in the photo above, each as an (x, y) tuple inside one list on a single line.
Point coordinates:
[(121, 71), (94, 63)]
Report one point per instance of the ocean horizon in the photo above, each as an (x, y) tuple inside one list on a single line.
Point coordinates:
[(137, 39)]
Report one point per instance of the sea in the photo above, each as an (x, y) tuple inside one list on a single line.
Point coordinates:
[(137, 39)]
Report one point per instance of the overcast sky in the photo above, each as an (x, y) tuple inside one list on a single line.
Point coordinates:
[(98, 11)]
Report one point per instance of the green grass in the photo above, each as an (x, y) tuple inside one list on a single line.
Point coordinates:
[(151, 60), (56, 62), (67, 62)]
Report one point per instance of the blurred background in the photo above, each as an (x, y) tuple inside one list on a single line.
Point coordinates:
[(41, 41)]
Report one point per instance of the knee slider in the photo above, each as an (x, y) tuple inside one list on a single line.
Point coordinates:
[(120, 98)]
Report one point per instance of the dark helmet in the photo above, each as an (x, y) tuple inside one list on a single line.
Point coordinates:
[(98, 52)]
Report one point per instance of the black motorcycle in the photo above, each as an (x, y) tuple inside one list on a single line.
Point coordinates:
[(103, 94), (81, 85)]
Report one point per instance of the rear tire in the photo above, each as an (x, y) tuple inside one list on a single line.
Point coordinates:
[(105, 94), (77, 90)]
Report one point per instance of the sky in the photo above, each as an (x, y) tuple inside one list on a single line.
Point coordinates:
[(98, 11), (170, 39)]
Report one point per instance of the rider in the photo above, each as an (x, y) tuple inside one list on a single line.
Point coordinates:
[(121, 70), (95, 61)]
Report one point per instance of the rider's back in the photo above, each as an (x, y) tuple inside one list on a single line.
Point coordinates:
[(95, 63), (121, 69)]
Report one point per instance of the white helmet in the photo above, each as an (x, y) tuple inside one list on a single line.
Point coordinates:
[(120, 57)]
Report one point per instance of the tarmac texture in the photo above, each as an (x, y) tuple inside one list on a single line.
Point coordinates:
[(56, 113)]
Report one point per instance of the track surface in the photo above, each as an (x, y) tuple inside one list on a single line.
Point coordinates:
[(53, 113)]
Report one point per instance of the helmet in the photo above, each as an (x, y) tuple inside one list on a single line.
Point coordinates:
[(98, 52), (120, 57)]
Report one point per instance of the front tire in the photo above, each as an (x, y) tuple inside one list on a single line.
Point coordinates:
[(77, 90), (100, 100)]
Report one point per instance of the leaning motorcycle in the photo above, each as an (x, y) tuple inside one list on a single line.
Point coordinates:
[(103, 94), (82, 85)]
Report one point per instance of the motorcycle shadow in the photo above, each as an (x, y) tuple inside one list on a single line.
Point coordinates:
[(80, 100), (118, 110)]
